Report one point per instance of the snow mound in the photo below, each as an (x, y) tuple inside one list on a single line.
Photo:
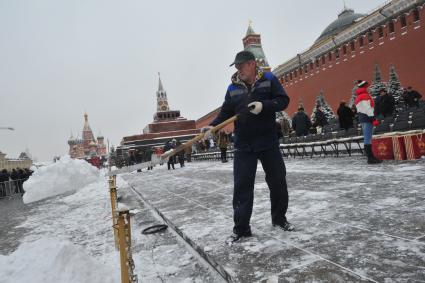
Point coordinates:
[(65, 176), (51, 260)]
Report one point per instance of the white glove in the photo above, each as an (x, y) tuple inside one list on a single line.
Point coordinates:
[(207, 132), (258, 106)]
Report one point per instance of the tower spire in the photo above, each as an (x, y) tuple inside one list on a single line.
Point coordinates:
[(160, 87), (250, 30), (161, 97)]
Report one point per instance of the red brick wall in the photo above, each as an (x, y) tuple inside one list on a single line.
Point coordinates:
[(405, 49), (159, 135), (171, 126)]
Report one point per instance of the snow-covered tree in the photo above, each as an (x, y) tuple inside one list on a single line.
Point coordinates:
[(394, 86), (377, 84), (324, 106), (353, 95), (283, 115)]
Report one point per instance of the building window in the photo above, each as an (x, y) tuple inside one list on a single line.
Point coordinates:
[(337, 54), (295, 74), (311, 66), (344, 49), (286, 77), (301, 71), (361, 42), (381, 32), (290, 76), (403, 21), (317, 63), (330, 56), (370, 37), (305, 68), (416, 15), (352, 45), (323, 59), (391, 27)]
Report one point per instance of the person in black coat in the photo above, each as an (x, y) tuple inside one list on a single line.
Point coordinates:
[(345, 116), (168, 146), (320, 119), (301, 122), (386, 105), (180, 155), (412, 97), (4, 177)]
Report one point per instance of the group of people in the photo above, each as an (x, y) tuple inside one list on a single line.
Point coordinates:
[(18, 176), (411, 97), (384, 106), (180, 156)]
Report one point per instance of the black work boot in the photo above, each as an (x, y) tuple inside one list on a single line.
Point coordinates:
[(286, 226), (371, 159), (236, 237)]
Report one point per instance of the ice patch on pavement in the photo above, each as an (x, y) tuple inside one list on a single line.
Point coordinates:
[(65, 176), (50, 260)]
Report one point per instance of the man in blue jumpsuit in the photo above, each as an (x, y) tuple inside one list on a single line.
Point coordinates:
[(255, 138)]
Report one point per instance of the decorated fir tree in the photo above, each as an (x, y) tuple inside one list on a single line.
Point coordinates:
[(283, 115), (353, 95), (394, 86), (324, 106), (377, 84)]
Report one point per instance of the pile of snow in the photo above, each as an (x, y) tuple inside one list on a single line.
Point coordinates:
[(65, 176), (50, 260)]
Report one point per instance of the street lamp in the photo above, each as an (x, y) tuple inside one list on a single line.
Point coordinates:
[(7, 128)]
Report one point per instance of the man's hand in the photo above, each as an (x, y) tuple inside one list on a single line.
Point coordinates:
[(207, 132), (257, 107)]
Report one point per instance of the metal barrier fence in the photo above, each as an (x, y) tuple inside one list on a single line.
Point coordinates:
[(331, 147), (10, 188)]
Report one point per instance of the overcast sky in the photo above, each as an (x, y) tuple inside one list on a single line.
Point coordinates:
[(59, 59)]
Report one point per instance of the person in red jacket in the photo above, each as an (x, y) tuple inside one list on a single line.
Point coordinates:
[(365, 111)]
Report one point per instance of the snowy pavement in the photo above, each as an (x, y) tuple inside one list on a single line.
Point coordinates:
[(355, 222), (65, 233)]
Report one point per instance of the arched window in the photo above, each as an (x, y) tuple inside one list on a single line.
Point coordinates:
[(391, 27), (403, 22), (370, 37), (381, 32), (416, 15)]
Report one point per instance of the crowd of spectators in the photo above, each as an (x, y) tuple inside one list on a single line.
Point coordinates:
[(385, 107), (14, 178)]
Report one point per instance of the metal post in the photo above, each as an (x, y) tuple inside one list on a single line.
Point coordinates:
[(123, 249), (113, 195), (126, 258)]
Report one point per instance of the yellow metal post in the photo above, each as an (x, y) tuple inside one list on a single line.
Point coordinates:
[(123, 247), (113, 194)]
